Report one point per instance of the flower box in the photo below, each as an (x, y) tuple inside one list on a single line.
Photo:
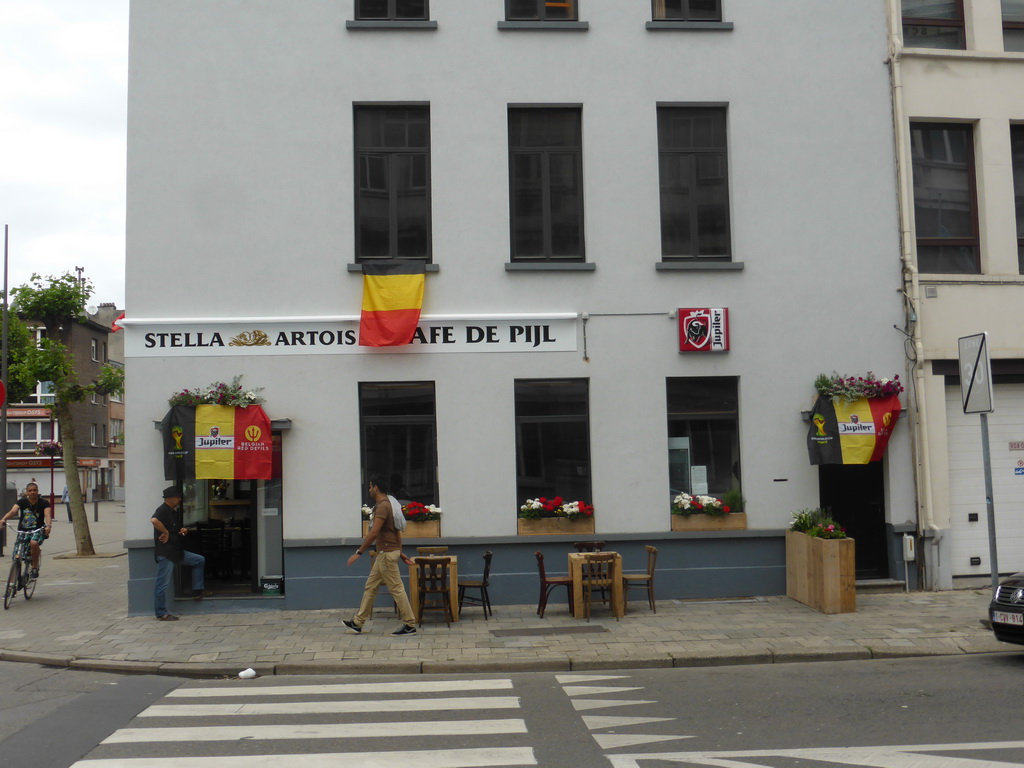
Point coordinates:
[(734, 521), (552, 526), (428, 529), (821, 573)]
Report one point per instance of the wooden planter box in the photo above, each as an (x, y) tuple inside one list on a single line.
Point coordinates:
[(428, 529), (821, 573), (552, 526), (732, 522)]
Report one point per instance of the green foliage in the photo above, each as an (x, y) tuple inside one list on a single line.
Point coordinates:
[(52, 302), (734, 500), (110, 381), (20, 342), (817, 523)]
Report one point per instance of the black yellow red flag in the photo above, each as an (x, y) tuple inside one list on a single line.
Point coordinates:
[(392, 299)]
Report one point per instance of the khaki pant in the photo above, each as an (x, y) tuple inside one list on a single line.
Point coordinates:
[(385, 572)]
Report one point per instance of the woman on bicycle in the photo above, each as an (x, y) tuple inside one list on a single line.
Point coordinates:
[(34, 512)]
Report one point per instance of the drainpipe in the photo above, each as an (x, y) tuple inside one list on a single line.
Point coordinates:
[(912, 290)]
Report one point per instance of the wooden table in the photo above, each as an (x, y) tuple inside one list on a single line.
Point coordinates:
[(576, 572), (453, 586)]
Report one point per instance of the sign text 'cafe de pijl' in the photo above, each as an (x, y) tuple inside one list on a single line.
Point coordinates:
[(331, 336)]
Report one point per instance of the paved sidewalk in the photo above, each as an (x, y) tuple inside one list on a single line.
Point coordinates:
[(78, 618)]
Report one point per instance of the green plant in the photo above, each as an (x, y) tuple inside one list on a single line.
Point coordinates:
[(535, 509), (218, 393), (684, 504), (734, 500), (852, 388), (817, 523)]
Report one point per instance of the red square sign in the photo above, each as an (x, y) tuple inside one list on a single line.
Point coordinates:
[(703, 329)]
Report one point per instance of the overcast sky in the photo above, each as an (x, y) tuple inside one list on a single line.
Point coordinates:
[(63, 82)]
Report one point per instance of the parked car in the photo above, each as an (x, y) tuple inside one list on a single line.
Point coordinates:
[(1006, 611)]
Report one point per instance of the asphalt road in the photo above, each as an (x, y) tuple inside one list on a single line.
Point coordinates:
[(942, 712)]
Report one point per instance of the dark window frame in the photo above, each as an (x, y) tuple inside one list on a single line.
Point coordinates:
[(546, 153), (542, 6), (974, 241), (680, 410), (1014, 25), (1017, 165), (695, 152), (922, 21), (390, 154), (545, 484), (687, 14), (395, 417), (392, 14)]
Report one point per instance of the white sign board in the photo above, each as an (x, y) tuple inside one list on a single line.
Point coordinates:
[(975, 374)]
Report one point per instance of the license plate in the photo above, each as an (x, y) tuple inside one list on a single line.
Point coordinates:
[(1001, 617)]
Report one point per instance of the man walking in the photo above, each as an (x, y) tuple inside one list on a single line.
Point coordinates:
[(385, 565), (168, 549)]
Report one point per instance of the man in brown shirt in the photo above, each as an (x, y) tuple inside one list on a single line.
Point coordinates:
[(385, 566)]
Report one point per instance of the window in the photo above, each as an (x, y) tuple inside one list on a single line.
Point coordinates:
[(93, 435), (687, 10), (94, 348), (104, 350), (399, 437), (540, 10), (1017, 155), (552, 439), (43, 394), (945, 200), (391, 10), (24, 435), (117, 431), (703, 435), (1013, 25), (393, 184), (933, 24), (546, 175), (694, 183)]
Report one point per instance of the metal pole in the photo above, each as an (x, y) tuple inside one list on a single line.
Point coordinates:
[(3, 406), (989, 505)]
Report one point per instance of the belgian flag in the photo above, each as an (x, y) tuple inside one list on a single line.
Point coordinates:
[(392, 298), (845, 432), (217, 442)]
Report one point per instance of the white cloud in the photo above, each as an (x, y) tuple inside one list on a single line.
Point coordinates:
[(63, 82)]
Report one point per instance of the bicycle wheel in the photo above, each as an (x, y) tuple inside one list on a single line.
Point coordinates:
[(29, 582), (12, 585)]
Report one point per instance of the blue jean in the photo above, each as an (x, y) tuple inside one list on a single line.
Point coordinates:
[(164, 569)]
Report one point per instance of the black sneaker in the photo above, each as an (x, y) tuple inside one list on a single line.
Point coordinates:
[(35, 573), (352, 628), (167, 617), (405, 631)]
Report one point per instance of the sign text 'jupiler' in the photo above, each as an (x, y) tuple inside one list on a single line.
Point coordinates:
[(342, 337), (703, 329)]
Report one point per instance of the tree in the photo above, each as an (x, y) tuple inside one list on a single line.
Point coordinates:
[(56, 303)]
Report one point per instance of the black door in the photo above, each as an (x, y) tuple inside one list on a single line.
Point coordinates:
[(855, 496)]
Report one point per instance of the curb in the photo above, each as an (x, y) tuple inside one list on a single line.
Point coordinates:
[(220, 670)]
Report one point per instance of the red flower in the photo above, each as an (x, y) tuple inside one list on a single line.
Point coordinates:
[(726, 510)]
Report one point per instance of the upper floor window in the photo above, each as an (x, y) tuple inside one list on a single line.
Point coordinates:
[(546, 177), (1013, 25), (1017, 156), (540, 10), (393, 182), (693, 172), (945, 198), (94, 349), (687, 10), (391, 10), (933, 24), (25, 435)]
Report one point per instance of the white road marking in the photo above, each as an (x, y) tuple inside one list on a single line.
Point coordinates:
[(434, 758), (593, 690), (585, 704), (315, 731), (593, 722), (619, 740), (329, 707), (414, 686)]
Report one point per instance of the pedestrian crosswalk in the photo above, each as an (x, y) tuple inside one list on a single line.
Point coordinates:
[(456, 723)]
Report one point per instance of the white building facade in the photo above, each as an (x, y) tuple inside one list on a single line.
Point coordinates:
[(573, 175), (958, 75)]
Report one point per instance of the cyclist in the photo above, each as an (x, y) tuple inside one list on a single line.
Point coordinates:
[(33, 512)]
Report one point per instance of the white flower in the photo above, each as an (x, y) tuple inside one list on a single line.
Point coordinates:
[(432, 509)]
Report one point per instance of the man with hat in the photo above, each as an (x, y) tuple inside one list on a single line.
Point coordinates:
[(168, 550)]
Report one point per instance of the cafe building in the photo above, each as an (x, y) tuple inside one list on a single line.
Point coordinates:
[(644, 229)]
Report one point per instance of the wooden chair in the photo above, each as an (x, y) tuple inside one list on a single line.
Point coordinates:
[(596, 574), (641, 580), (589, 546), (550, 583), (434, 587), (431, 550), (481, 584)]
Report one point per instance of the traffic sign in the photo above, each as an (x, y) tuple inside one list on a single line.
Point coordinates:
[(975, 374)]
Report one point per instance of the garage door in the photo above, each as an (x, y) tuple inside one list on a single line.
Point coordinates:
[(967, 482)]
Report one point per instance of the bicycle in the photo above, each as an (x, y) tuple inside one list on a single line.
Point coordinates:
[(20, 577)]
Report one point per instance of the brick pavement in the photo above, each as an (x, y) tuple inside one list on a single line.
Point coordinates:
[(78, 618)]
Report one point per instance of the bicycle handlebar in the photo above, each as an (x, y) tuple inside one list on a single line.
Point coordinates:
[(34, 530)]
